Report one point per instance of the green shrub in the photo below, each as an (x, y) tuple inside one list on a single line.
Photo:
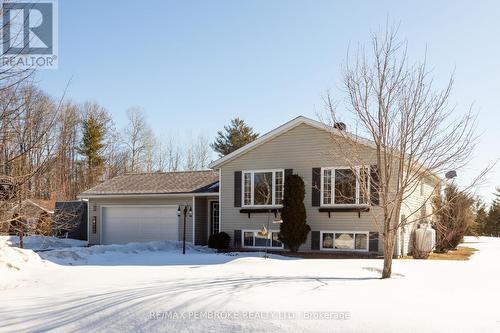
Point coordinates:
[(294, 229), (219, 241)]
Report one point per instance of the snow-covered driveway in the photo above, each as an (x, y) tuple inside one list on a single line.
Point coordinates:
[(154, 288)]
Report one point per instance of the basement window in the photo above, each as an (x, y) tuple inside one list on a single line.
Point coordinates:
[(344, 241), (251, 239)]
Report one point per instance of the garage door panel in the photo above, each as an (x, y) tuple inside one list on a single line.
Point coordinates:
[(126, 224)]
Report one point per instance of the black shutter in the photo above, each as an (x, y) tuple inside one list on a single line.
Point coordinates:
[(237, 239), (374, 185), (288, 172), (316, 187), (315, 239), (373, 244), (237, 189)]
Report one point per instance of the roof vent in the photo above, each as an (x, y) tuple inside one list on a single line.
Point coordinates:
[(340, 126)]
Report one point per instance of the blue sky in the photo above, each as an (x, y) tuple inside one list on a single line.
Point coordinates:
[(193, 65)]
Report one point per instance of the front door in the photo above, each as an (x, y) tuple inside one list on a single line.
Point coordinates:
[(214, 217)]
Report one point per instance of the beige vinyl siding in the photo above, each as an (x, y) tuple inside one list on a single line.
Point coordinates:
[(201, 217), (301, 149), (411, 209), (95, 205)]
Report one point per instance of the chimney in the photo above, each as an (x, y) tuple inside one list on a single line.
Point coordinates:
[(340, 126)]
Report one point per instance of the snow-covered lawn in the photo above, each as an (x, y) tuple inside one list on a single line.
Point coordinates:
[(41, 243), (152, 287)]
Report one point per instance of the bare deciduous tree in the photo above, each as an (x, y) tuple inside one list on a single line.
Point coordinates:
[(197, 154), (415, 134), (27, 119), (138, 138), (168, 155), (116, 155)]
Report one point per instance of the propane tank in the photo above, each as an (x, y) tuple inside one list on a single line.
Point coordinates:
[(425, 238)]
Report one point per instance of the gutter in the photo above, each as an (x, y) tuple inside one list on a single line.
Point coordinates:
[(148, 195)]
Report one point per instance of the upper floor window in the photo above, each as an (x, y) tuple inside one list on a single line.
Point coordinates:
[(345, 186), (263, 187)]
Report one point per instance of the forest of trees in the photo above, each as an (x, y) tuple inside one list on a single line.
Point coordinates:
[(66, 148), (53, 150)]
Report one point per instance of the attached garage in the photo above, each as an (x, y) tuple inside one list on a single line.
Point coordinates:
[(143, 207), (125, 224)]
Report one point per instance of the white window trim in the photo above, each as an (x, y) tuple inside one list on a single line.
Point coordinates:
[(333, 204), (252, 172), (209, 216), (259, 247), (367, 233)]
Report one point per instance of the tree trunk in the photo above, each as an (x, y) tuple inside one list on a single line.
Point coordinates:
[(388, 254)]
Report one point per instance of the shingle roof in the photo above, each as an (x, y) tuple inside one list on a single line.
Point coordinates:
[(158, 183)]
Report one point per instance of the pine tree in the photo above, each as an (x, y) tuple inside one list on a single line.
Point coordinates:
[(95, 124), (294, 229), (493, 222), (480, 218), (234, 136)]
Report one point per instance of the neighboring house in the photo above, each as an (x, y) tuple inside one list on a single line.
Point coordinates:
[(29, 211), (246, 191)]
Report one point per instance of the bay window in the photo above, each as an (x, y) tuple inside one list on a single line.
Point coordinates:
[(344, 186), (263, 187)]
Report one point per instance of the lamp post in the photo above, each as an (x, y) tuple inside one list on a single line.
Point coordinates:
[(187, 210)]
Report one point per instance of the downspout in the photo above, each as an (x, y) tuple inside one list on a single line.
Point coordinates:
[(220, 202), (88, 221), (193, 218), (397, 251)]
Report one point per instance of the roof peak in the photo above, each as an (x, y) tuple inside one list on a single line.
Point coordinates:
[(282, 129)]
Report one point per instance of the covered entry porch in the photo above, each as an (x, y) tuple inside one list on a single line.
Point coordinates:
[(206, 218)]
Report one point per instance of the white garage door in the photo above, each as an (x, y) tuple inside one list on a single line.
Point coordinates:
[(125, 224)]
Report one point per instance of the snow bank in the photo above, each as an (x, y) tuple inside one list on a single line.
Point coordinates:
[(42, 242), (13, 258), (82, 254), (137, 247)]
